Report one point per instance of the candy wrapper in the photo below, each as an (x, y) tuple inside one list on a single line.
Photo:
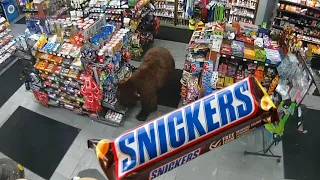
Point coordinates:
[(161, 145)]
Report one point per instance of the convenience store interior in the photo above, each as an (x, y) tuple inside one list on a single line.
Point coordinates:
[(71, 157)]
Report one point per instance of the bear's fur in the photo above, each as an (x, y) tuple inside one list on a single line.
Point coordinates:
[(155, 71)]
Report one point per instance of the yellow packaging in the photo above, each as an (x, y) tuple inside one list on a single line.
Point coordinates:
[(249, 54)]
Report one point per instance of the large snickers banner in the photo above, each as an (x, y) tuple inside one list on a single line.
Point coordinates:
[(163, 144)]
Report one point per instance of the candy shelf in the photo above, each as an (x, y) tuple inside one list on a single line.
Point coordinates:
[(299, 29), (107, 121), (277, 27), (243, 10), (217, 62), (298, 4), (298, 14), (7, 44), (250, 60), (241, 6), (298, 23), (110, 106), (171, 13)]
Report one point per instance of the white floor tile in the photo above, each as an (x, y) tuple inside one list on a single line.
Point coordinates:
[(230, 175), (57, 176), (67, 166)]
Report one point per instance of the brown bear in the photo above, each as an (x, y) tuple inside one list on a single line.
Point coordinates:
[(155, 71)]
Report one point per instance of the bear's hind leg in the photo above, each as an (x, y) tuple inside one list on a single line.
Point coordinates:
[(148, 106)]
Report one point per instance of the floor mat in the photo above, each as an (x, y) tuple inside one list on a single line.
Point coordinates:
[(169, 95), (21, 21), (10, 80), (35, 141), (174, 34), (301, 151)]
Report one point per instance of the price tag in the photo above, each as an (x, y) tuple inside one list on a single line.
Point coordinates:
[(68, 57), (223, 55), (232, 57), (267, 64), (244, 59), (255, 62)]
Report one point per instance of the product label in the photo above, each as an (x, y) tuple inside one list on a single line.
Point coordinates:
[(184, 127), (228, 138), (174, 164), (234, 135)]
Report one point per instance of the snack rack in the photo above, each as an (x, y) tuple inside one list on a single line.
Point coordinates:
[(243, 10), (296, 81), (301, 19), (61, 67), (230, 58), (7, 47)]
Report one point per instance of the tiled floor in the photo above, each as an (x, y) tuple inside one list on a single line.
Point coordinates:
[(227, 162), (224, 163)]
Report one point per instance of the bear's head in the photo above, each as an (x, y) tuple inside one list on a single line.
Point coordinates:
[(127, 94)]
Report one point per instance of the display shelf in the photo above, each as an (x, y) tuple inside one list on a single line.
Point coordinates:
[(2, 20), (310, 35), (242, 9), (298, 23), (2, 29), (164, 16), (4, 44), (61, 75), (277, 27), (252, 60), (7, 61), (298, 14), (57, 81), (30, 10), (110, 106), (242, 15), (61, 88), (106, 121), (312, 42), (102, 119), (241, 6), (60, 99), (298, 4), (5, 49)]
